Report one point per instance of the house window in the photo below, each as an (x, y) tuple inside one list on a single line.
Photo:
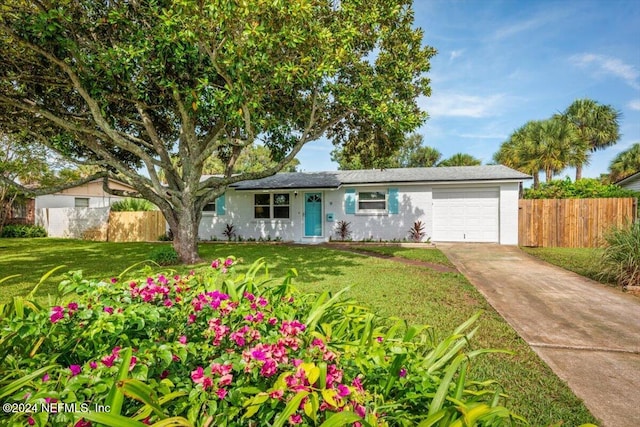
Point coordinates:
[(18, 210), (267, 206), (372, 201), (209, 207), (81, 202)]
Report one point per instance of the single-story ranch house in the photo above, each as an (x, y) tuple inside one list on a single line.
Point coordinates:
[(457, 204)]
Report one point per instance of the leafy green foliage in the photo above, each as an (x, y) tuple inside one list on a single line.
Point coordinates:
[(409, 153), (217, 347), (621, 256), (585, 188), (133, 205), (164, 255), (460, 159), (625, 163), (25, 231)]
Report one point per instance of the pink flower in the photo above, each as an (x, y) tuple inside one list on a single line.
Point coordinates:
[(93, 365), (164, 374), (359, 410), (228, 262), (215, 264), (222, 393), (379, 339), (45, 378), (269, 369), (197, 376), (258, 354), (168, 303), (133, 362), (402, 373), (343, 390), (295, 419), (75, 370), (262, 302), (276, 394), (192, 318), (72, 306), (108, 309), (108, 360), (82, 423), (114, 280), (116, 351), (182, 339), (31, 421), (207, 383), (57, 313), (225, 380)]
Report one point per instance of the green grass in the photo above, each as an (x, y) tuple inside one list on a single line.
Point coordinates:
[(430, 255), (584, 261), (417, 294)]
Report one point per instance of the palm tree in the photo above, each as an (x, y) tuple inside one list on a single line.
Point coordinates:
[(424, 157), (626, 163), (596, 127), (460, 159), (539, 145)]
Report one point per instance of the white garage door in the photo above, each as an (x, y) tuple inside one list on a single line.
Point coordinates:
[(466, 215)]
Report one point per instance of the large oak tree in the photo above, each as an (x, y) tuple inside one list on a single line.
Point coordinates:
[(128, 85)]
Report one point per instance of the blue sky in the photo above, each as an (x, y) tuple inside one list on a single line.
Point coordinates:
[(503, 63)]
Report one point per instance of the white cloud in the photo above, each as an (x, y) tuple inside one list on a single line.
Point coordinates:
[(608, 66), (461, 105), (455, 54), (634, 104)]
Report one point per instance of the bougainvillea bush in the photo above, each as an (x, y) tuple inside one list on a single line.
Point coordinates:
[(216, 347)]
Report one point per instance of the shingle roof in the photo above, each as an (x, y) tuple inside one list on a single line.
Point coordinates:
[(334, 179)]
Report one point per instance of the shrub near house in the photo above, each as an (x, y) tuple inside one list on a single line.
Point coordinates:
[(218, 348)]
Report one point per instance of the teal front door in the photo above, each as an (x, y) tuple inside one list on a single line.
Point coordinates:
[(312, 214)]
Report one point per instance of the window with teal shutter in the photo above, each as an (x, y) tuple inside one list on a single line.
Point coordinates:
[(393, 201), (350, 201), (220, 207)]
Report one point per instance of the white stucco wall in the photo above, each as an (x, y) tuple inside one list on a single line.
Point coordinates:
[(71, 222), (68, 201), (509, 195)]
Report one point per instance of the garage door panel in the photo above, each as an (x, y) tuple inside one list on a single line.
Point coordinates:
[(466, 215)]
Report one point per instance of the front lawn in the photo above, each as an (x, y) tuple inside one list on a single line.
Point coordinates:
[(584, 261), (429, 255), (417, 294)]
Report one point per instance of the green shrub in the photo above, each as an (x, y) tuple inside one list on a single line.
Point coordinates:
[(20, 230), (621, 256), (164, 255), (133, 205), (585, 188), (218, 348)]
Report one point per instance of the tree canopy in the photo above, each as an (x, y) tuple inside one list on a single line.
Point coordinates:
[(625, 163), (561, 141), (409, 153), (130, 85)]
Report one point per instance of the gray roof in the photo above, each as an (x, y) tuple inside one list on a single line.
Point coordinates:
[(334, 179), (628, 179)]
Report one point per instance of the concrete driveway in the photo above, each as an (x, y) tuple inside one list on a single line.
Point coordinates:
[(589, 334)]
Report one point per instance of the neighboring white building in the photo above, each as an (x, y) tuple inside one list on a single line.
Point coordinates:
[(631, 182), (457, 204), (89, 195)]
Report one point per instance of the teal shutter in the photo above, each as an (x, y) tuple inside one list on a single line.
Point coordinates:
[(220, 207), (350, 201), (393, 200)]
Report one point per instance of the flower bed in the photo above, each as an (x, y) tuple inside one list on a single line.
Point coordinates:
[(216, 347)]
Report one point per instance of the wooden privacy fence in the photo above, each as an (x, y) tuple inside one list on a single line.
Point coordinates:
[(571, 223), (136, 226)]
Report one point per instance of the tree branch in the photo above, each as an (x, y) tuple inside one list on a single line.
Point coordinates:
[(39, 191)]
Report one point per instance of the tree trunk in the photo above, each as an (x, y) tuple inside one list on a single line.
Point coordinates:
[(536, 180), (549, 176), (184, 227), (578, 172)]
